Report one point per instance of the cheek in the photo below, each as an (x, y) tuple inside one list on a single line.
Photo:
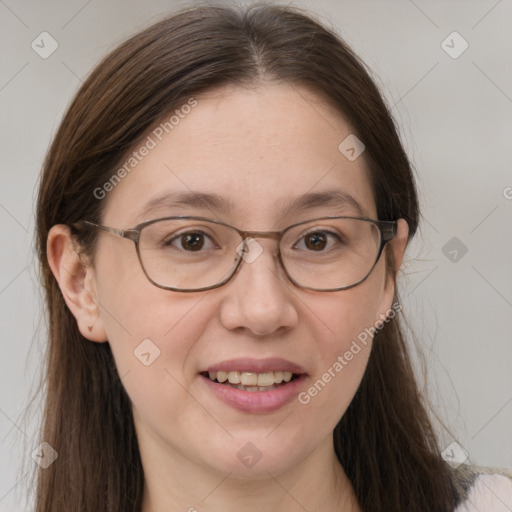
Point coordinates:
[(344, 316), (133, 309), (151, 332), (152, 327), (152, 351), (344, 326)]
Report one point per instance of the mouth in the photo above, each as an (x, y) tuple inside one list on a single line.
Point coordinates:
[(254, 385), (251, 381)]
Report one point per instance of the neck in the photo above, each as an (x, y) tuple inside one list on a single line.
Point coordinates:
[(317, 483)]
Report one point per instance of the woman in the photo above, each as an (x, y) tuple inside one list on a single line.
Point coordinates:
[(221, 219)]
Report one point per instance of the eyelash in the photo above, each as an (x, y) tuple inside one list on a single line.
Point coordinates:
[(169, 242), (325, 232)]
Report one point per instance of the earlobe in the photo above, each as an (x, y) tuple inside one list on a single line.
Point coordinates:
[(76, 281)]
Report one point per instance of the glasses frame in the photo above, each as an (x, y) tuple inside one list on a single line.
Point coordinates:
[(387, 230)]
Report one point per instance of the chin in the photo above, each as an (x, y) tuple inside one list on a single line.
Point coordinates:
[(253, 457)]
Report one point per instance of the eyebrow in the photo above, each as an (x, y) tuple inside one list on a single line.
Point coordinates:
[(311, 200), (218, 204)]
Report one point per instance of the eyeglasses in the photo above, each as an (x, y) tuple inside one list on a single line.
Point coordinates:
[(191, 254)]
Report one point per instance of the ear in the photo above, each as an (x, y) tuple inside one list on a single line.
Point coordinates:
[(397, 248), (77, 282), (399, 243)]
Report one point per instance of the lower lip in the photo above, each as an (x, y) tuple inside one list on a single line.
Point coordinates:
[(256, 401)]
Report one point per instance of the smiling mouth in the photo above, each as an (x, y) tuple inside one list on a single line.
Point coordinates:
[(250, 381)]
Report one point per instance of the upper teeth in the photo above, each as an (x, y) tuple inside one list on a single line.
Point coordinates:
[(251, 379)]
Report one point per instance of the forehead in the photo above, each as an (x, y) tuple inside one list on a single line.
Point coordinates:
[(259, 155)]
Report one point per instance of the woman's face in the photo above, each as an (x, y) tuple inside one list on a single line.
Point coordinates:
[(259, 149)]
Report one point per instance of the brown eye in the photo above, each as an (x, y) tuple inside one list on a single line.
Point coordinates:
[(192, 241), (316, 241)]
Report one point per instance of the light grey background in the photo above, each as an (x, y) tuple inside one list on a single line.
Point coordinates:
[(455, 119)]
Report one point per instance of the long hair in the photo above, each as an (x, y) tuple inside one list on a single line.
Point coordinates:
[(385, 440)]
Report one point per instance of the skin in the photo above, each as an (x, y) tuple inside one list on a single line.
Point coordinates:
[(258, 147)]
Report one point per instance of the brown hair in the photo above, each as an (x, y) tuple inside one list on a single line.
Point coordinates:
[(384, 441)]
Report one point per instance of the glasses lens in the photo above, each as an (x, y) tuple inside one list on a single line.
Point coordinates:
[(188, 254), (330, 253)]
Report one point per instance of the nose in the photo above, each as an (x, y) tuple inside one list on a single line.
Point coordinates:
[(259, 297)]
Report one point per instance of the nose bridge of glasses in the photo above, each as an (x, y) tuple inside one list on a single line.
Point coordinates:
[(254, 235)]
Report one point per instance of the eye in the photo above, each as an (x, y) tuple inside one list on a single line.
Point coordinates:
[(317, 240), (191, 241)]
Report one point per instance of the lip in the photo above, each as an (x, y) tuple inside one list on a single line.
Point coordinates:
[(255, 401), (272, 364)]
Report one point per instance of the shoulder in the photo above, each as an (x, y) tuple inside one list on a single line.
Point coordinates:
[(483, 489)]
